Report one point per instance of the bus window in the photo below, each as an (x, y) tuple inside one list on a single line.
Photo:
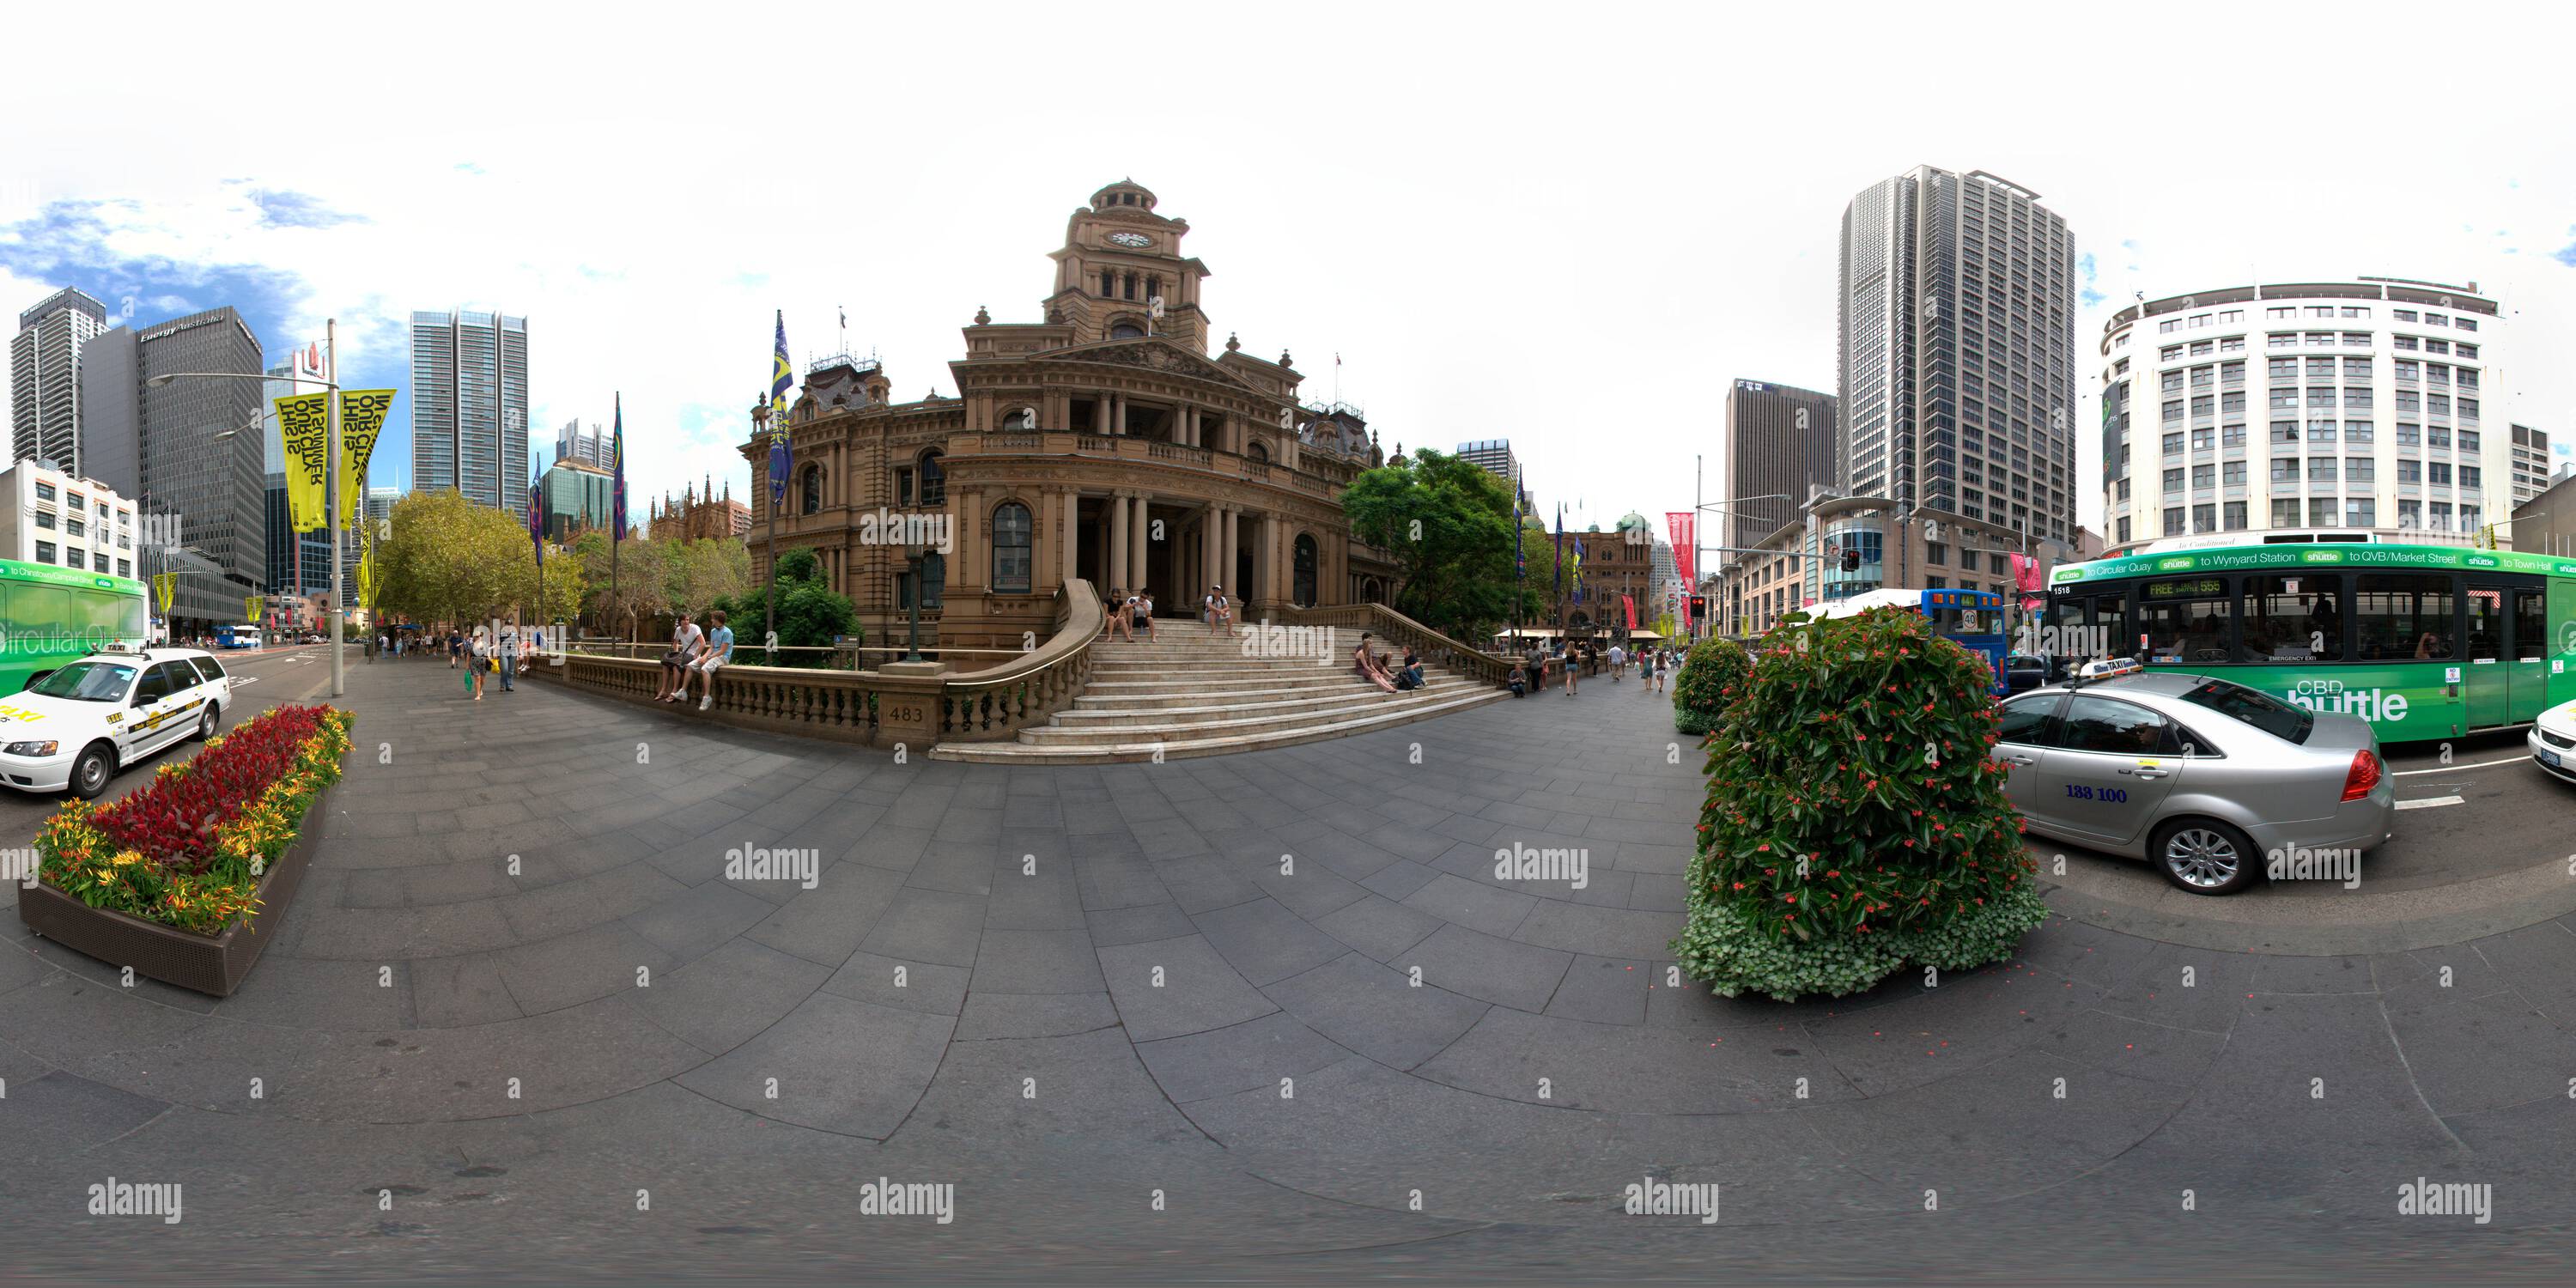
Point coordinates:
[(2403, 615), (2110, 625), (2530, 627), (130, 618), (2486, 622), (100, 616), (43, 614), (2292, 619), (2185, 621)]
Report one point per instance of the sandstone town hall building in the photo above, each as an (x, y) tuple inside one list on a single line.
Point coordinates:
[(1103, 443)]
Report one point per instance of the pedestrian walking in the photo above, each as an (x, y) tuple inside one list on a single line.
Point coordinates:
[(1572, 663), (505, 659), (1618, 662), (455, 647)]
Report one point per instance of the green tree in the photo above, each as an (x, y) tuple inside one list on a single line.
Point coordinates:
[(1448, 525), (624, 605), (810, 613), (448, 560), (1853, 820)]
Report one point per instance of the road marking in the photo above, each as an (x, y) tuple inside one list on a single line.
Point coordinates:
[(2453, 769), (239, 678), (2428, 802)]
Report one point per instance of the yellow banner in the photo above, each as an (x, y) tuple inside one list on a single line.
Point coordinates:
[(250, 609), (304, 426), (367, 579), (362, 417), (165, 585)]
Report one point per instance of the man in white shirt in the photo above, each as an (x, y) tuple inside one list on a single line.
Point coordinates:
[(686, 641), (1618, 662), (1220, 612)]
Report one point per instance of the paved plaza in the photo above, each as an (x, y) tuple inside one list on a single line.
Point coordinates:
[(1259, 1016)]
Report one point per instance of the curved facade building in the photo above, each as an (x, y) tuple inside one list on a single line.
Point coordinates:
[(2303, 411)]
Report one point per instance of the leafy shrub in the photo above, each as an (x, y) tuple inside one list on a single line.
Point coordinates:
[(188, 848), (1711, 678), (1854, 821)]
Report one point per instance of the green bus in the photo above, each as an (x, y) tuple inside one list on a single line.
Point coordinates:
[(2424, 642), (50, 616)]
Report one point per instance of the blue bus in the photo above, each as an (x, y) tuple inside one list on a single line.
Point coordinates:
[(237, 637), (1971, 619)]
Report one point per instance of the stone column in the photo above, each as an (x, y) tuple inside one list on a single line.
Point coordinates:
[(1118, 530), (1139, 543), (965, 522), (1071, 527), (1265, 560)]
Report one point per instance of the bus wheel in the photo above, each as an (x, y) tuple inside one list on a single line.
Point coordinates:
[(2204, 856), (91, 771)]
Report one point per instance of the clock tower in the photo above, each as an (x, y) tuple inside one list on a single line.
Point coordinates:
[(1119, 257)]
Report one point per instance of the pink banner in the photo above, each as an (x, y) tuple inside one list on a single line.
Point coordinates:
[(2025, 574), (1684, 527)]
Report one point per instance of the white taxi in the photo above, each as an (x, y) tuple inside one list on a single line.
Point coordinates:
[(2552, 741), (74, 727)]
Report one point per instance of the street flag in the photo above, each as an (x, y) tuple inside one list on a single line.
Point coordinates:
[(1629, 603), (304, 428), (781, 378), (617, 471), (1520, 561), (250, 609), (1577, 578), (164, 585), (362, 418), (1684, 527), (537, 523), (1560, 550)]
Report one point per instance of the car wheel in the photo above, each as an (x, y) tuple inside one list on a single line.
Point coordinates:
[(2204, 856), (206, 723), (90, 773)]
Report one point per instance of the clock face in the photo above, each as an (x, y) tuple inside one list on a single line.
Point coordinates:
[(1130, 239)]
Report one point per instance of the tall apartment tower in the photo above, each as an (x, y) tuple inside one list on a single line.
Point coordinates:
[(469, 406), (44, 365), (1780, 442), (590, 447), (1956, 352)]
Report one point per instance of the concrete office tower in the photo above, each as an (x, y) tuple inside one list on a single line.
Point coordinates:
[(380, 503), (44, 369), (298, 563), (2307, 411), (469, 406), (188, 451), (1494, 456), (1780, 441), (1957, 353)]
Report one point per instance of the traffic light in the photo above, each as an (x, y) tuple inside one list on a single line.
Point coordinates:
[(1851, 560), (1698, 607)]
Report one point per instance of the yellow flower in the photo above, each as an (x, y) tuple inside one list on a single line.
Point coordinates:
[(127, 858)]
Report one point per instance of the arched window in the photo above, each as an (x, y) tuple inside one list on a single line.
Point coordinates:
[(1305, 571), (934, 479), (1013, 552), (810, 490), (1126, 331), (1108, 283), (1256, 451), (1021, 419)]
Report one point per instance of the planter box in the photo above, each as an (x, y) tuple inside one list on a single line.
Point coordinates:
[(191, 961)]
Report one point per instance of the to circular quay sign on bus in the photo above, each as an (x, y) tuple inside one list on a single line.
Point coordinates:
[(2242, 558)]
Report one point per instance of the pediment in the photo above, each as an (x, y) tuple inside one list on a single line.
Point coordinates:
[(1150, 352)]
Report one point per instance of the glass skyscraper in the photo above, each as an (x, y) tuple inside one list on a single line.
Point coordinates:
[(469, 406)]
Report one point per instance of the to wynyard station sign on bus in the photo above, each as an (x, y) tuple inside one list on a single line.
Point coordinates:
[(2296, 555)]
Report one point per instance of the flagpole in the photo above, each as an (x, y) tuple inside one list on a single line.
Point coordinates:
[(331, 499)]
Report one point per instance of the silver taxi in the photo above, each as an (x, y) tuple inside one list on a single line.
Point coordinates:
[(2205, 778)]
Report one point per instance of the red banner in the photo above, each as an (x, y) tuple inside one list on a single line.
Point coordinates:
[(2026, 579), (1684, 526), (1631, 606)]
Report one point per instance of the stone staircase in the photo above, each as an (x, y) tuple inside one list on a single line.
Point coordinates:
[(1190, 693)]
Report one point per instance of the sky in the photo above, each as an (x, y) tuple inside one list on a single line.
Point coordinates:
[(1571, 229)]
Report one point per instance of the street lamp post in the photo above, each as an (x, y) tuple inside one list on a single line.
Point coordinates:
[(330, 470)]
